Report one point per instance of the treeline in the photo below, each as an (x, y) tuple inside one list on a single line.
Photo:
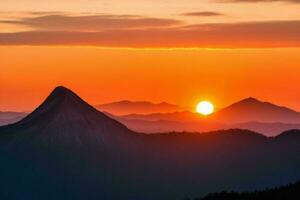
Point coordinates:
[(289, 192)]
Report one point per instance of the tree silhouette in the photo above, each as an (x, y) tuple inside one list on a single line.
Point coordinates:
[(290, 192)]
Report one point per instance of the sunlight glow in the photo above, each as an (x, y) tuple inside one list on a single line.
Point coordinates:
[(205, 108)]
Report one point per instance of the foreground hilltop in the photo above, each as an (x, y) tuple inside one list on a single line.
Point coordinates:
[(66, 149)]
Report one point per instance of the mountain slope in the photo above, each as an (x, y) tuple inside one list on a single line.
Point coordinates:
[(64, 117), (251, 109), (173, 116), (138, 107), (249, 113), (268, 129), (11, 117)]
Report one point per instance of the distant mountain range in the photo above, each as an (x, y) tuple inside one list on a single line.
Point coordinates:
[(139, 107), (247, 110), (163, 126), (66, 149), (250, 113), (11, 117)]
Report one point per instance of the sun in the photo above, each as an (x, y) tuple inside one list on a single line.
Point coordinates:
[(205, 108)]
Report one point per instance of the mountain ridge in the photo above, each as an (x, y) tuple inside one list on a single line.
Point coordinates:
[(256, 117), (252, 109), (124, 107)]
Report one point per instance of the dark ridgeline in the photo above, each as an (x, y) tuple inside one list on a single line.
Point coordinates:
[(66, 149), (290, 192)]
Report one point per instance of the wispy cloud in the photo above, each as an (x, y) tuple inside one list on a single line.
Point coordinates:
[(222, 35), (203, 14), (61, 22)]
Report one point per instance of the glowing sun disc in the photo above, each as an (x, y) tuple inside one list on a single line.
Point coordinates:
[(205, 108)]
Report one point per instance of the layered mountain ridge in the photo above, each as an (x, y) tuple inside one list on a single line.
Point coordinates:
[(139, 107), (250, 113)]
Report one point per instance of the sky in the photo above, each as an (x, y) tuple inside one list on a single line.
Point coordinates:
[(156, 50)]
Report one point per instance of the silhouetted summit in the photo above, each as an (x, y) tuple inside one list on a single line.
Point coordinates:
[(65, 118), (62, 101), (251, 109), (255, 103), (249, 100)]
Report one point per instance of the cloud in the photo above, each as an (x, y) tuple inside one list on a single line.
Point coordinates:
[(220, 35), (41, 13), (203, 14), (60, 22)]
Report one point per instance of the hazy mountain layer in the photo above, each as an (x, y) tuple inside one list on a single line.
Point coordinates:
[(11, 117), (139, 107), (250, 114)]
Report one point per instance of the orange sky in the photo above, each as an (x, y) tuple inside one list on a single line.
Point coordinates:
[(181, 76), (171, 50)]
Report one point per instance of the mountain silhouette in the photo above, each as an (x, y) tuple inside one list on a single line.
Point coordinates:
[(250, 113), (168, 123), (251, 109), (139, 107), (165, 126), (174, 116), (68, 150), (11, 117), (291, 191), (150, 125), (267, 128), (246, 110), (65, 118)]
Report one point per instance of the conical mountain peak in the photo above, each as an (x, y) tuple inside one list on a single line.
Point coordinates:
[(251, 100), (61, 101), (65, 116), (61, 91), (62, 95), (248, 101)]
